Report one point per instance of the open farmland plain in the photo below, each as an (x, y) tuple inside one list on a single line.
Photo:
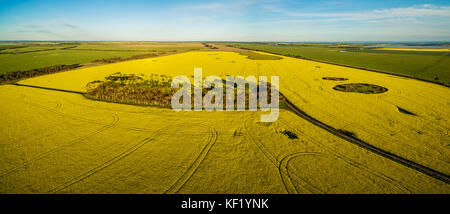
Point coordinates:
[(424, 63), (63, 142), (26, 56)]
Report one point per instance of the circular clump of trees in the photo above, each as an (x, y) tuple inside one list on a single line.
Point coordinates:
[(360, 88)]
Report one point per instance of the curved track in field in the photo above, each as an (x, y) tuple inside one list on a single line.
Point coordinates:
[(174, 188), (291, 180), (75, 117), (408, 163), (286, 177), (107, 163), (183, 179), (76, 141)]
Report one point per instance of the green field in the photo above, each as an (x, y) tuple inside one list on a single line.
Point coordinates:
[(27, 56), (434, 66)]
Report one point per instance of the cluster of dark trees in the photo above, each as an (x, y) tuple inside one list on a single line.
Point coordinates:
[(209, 46), (291, 135), (119, 90), (18, 75)]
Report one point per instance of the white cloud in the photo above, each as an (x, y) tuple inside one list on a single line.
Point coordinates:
[(52, 24), (62, 23), (54, 29), (408, 12), (32, 25)]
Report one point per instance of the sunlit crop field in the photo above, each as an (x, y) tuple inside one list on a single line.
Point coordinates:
[(60, 142), (424, 64), (415, 49), (26, 56)]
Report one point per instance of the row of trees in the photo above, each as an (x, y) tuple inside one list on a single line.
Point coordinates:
[(18, 75)]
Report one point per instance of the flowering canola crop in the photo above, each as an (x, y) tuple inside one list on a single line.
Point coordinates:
[(61, 142)]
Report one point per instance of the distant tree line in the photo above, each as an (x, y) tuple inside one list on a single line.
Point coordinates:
[(12, 47), (70, 47), (32, 51), (18, 75), (69, 43)]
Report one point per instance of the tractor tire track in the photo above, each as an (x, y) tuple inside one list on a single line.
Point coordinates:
[(75, 117), (119, 157), (109, 162), (355, 164), (181, 181), (288, 180), (268, 155), (408, 163), (74, 142), (292, 189)]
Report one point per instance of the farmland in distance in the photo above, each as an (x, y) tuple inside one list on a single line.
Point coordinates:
[(63, 142), (428, 64)]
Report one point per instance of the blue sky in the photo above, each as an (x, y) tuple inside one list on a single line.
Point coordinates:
[(231, 20)]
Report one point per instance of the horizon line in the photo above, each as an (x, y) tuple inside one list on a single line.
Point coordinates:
[(239, 41)]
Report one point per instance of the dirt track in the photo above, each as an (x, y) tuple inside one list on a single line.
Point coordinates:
[(408, 163)]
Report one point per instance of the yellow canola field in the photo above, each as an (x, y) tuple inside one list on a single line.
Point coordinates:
[(374, 118), (415, 49), (63, 142)]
